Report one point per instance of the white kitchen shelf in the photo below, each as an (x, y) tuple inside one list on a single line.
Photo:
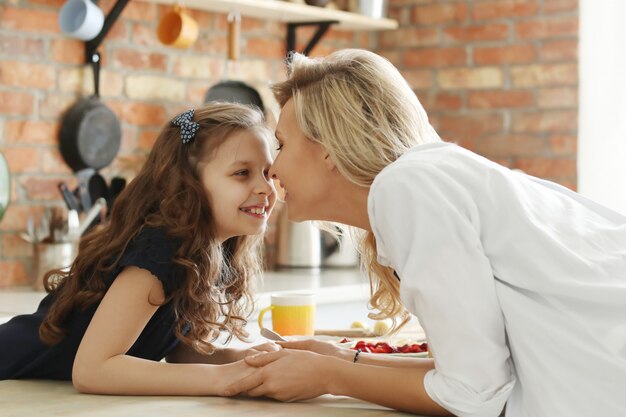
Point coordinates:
[(288, 12)]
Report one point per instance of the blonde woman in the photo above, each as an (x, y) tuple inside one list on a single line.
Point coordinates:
[(519, 283)]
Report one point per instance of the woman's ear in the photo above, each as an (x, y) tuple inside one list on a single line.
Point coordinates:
[(328, 162)]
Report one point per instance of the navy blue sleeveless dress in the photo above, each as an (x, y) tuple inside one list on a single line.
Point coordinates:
[(24, 356)]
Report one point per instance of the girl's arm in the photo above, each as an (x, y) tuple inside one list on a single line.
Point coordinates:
[(399, 388), (185, 354), (101, 365)]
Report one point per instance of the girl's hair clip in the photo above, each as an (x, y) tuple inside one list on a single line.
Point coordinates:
[(188, 127)]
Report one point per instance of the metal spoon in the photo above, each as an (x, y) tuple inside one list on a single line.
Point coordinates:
[(272, 335)]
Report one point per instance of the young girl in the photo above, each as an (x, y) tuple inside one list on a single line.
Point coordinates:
[(168, 274), (519, 283)]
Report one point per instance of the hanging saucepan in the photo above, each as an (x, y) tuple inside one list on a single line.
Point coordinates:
[(90, 136), (234, 91)]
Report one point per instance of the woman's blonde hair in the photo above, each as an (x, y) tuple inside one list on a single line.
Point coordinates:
[(360, 108), (214, 294)]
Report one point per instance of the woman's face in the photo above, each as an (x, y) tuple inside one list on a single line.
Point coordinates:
[(300, 167), (241, 192)]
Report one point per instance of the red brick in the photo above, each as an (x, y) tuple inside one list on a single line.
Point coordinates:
[(561, 97), (139, 59), (547, 27), (475, 77), (510, 54), (147, 137), (139, 10), (265, 48), (204, 19), (345, 36), (420, 79), (440, 13), (25, 74), (407, 37), (53, 162), (68, 51), (129, 139), (16, 216), (12, 273), (507, 145), (400, 14), (544, 75), (411, 2), (212, 43), (564, 145), (22, 159), (140, 114), (16, 103), (41, 188), (196, 91), (57, 4), (499, 99), (556, 6), (30, 20), (13, 246), (13, 46), (557, 121), (54, 105), (469, 126), (559, 50), (435, 57), (548, 168), (490, 32), (394, 56), (504, 9), (142, 35), (442, 102), (32, 132)]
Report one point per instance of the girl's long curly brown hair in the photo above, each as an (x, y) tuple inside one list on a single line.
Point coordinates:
[(215, 294)]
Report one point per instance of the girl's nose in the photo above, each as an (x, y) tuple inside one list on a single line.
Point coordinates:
[(266, 187)]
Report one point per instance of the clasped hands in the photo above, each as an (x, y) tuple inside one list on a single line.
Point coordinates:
[(299, 371)]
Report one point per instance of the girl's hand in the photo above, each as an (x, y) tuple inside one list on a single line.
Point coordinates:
[(255, 350), (233, 372), (285, 375), (322, 348)]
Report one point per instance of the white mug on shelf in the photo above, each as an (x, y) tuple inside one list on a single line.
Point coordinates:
[(81, 19)]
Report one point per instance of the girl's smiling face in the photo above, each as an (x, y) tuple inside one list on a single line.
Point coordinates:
[(240, 190)]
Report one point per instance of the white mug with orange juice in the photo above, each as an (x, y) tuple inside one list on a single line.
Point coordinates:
[(292, 314)]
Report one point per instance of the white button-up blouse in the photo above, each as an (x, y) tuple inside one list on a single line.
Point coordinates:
[(519, 284)]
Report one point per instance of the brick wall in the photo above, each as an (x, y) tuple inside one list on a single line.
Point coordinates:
[(499, 77), (143, 82)]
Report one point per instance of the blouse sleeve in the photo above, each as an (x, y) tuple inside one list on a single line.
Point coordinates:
[(427, 227), (153, 251)]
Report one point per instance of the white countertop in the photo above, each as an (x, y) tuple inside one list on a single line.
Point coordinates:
[(58, 398), (341, 288), (329, 285)]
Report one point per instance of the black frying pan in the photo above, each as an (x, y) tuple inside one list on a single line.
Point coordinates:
[(233, 91), (90, 133)]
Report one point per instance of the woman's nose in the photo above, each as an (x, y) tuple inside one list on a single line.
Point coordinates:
[(272, 172)]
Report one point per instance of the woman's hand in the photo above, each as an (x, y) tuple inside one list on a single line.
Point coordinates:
[(285, 375), (322, 348)]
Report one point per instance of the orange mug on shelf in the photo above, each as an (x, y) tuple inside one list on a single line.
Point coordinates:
[(177, 28), (292, 314)]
